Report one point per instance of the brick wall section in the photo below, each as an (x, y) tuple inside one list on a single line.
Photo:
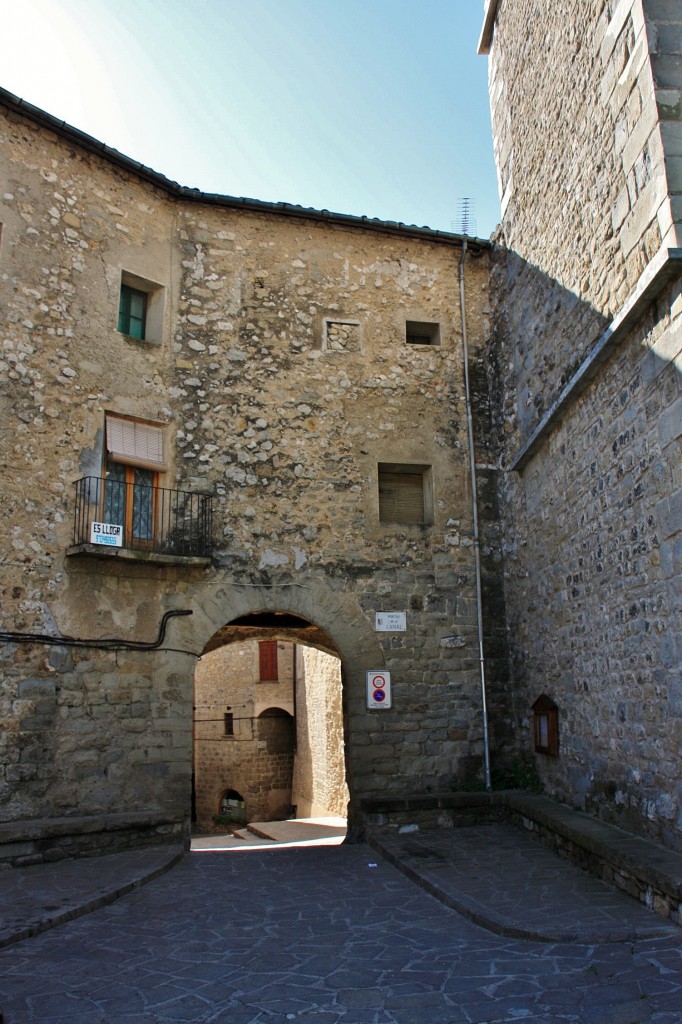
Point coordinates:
[(591, 524), (273, 763), (229, 678)]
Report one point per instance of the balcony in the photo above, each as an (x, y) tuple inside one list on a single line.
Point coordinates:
[(131, 520)]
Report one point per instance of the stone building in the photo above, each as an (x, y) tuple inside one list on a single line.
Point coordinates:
[(587, 370), (268, 734), (223, 420)]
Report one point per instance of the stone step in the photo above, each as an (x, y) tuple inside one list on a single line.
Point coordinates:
[(296, 830), (244, 833)]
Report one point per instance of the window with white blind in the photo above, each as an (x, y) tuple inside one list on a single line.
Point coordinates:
[(405, 494), (133, 461), (135, 443)]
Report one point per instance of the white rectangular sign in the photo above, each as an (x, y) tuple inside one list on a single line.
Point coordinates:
[(106, 533), (378, 688), (391, 622)]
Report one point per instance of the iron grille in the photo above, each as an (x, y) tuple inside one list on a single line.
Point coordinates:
[(152, 519)]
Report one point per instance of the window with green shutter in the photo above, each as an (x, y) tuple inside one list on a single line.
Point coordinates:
[(141, 305), (132, 312)]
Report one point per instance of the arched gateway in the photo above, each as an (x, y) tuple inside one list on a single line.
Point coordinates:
[(308, 614)]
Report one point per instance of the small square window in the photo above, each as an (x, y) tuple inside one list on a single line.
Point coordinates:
[(418, 332), (405, 494), (140, 309), (342, 336)]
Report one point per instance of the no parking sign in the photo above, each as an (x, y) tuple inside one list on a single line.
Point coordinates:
[(378, 689)]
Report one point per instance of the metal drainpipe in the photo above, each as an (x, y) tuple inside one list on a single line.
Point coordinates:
[(474, 514), (294, 681)]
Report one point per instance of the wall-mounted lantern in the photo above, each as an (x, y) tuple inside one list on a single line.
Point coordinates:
[(546, 726)]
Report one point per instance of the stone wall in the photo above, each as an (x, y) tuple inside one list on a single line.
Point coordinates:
[(228, 680), (279, 372), (319, 783), (586, 373), (273, 763), (582, 173), (664, 32)]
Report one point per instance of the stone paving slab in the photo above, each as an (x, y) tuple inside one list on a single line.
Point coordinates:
[(40, 897), (506, 881), (301, 830), (320, 935)]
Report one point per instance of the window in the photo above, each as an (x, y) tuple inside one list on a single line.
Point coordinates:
[(267, 661), (140, 309), (132, 312), (405, 494), (418, 332), (133, 461), (546, 726), (229, 723)]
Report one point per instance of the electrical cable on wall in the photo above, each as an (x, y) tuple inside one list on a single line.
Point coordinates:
[(102, 644)]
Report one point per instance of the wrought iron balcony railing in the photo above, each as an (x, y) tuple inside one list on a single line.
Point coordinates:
[(130, 514)]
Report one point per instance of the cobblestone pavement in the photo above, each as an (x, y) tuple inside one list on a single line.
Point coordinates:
[(501, 878), (326, 935), (34, 899)]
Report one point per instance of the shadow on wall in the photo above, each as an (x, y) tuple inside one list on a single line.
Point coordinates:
[(553, 331), (592, 538)]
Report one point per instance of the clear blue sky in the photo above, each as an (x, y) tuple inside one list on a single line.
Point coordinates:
[(375, 107)]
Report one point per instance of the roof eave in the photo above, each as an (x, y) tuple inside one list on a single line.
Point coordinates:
[(485, 41), (173, 189)]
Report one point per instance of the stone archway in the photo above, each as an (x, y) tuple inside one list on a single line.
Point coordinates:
[(310, 613)]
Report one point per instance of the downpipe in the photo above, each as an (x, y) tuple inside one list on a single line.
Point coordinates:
[(474, 516)]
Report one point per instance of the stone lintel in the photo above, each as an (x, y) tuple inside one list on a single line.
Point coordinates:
[(666, 265)]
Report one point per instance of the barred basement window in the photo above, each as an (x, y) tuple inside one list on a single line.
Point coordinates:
[(405, 494), (417, 332)]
